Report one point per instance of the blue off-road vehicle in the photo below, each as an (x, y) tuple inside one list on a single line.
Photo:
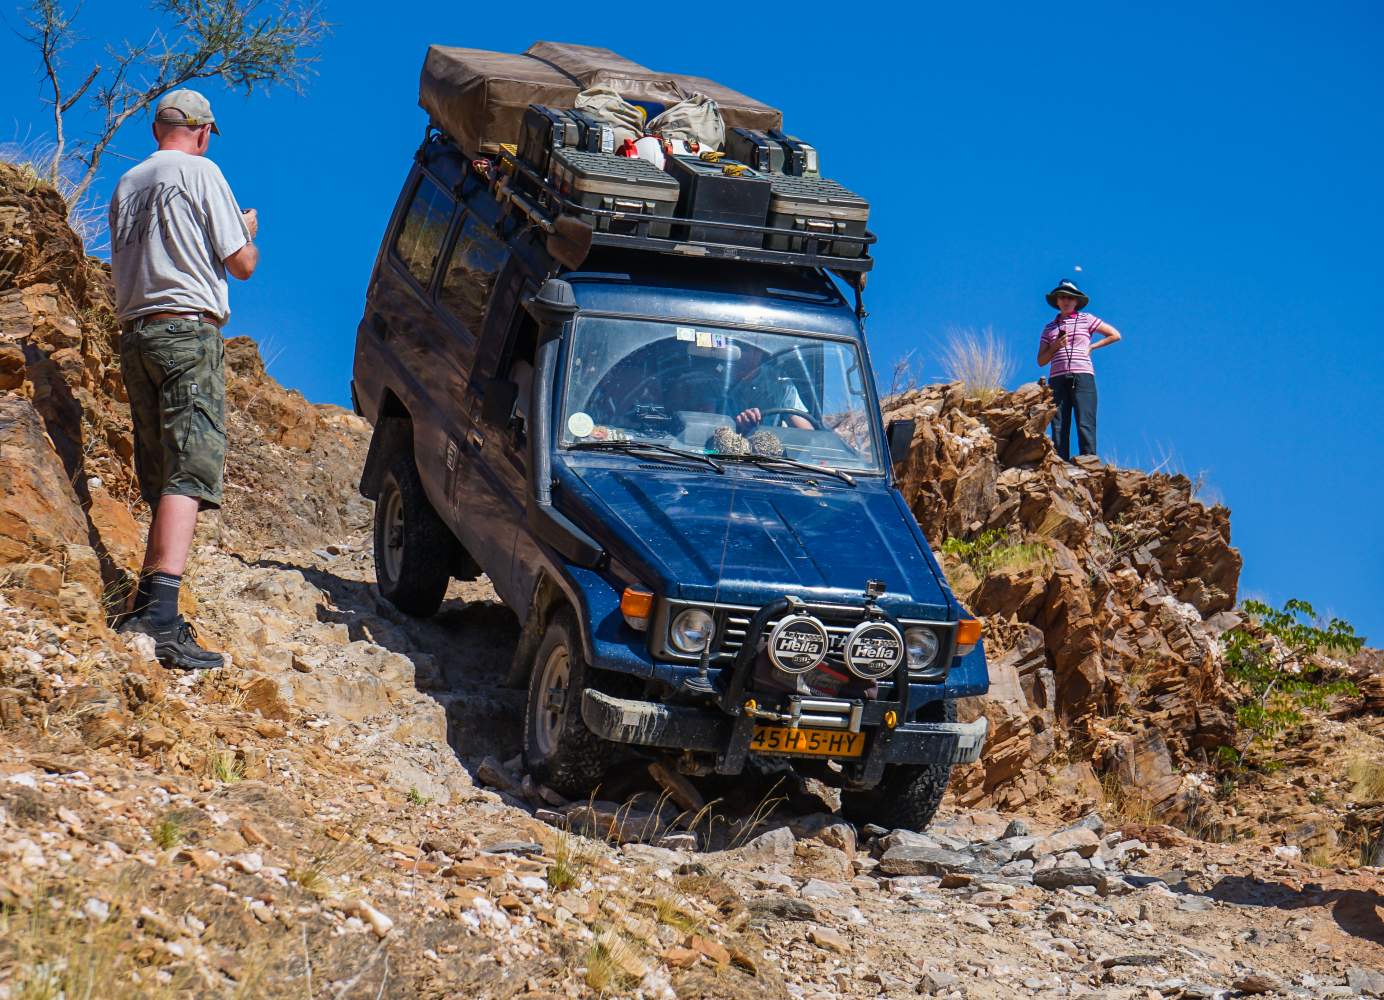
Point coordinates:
[(668, 457)]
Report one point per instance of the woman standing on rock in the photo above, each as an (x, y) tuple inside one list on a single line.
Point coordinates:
[(1067, 344)]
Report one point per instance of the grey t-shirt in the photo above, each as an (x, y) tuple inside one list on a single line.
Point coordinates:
[(173, 222)]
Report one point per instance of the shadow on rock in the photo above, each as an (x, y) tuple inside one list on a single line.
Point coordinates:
[(1355, 910)]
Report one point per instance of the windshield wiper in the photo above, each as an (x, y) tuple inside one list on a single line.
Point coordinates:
[(657, 450), (792, 463)]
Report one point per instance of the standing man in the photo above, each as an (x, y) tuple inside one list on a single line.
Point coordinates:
[(1067, 344), (176, 231)]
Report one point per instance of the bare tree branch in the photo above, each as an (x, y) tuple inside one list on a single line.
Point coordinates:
[(77, 94), (248, 45)]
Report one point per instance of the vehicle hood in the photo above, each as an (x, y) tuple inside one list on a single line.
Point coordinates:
[(739, 538)]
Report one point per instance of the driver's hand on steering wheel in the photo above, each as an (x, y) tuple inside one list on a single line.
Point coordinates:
[(746, 419)]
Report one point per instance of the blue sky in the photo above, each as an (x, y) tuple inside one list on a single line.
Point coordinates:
[(1213, 168)]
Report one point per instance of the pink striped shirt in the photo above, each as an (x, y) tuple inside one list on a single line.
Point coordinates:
[(1075, 357)]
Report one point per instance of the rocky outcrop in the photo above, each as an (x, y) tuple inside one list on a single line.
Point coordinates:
[(46, 561), (1104, 635)]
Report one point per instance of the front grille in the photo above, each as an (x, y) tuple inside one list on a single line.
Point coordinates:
[(733, 624), (737, 625)]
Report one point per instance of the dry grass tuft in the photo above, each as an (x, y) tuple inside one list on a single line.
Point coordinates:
[(572, 860), (676, 913), (168, 833), (86, 215), (1124, 803), (1366, 777), (607, 963), (979, 361), (225, 767), (61, 948), (329, 860)]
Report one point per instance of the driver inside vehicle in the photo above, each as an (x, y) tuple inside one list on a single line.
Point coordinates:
[(758, 393)]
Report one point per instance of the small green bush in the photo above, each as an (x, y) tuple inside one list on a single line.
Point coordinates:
[(1274, 660), (993, 549)]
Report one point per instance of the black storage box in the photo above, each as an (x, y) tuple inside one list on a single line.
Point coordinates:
[(546, 129), (771, 152), (710, 194), (820, 209), (619, 184), (596, 136), (755, 148), (543, 130)]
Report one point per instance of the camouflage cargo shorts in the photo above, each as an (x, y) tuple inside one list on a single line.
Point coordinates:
[(176, 381)]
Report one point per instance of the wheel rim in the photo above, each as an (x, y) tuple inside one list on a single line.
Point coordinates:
[(392, 534), (551, 700)]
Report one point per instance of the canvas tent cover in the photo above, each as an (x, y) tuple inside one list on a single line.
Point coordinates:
[(478, 97)]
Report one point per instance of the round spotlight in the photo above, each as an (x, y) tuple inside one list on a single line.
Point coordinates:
[(798, 644), (692, 630), (922, 647), (874, 649)]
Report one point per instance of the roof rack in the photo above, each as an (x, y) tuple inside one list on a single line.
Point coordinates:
[(543, 204)]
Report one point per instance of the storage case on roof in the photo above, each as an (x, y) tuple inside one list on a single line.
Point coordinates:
[(710, 194), (820, 209), (621, 184)]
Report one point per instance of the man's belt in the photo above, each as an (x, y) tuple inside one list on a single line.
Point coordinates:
[(162, 317)]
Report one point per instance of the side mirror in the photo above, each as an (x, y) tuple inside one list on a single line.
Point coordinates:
[(498, 404), (900, 436)]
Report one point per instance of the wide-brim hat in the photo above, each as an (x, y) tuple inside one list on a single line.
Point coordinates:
[(1068, 287)]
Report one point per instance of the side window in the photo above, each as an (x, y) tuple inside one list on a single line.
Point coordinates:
[(420, 237), (471, 270)]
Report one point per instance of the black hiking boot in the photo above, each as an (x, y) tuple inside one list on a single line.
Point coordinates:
[(175, 644)]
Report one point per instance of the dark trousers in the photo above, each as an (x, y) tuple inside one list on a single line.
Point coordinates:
[(1074, 394)]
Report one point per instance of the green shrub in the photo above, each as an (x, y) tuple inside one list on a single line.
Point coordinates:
[(993, 549), (1274, 660)]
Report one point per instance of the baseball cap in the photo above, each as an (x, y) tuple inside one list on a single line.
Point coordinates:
[(185, 107)]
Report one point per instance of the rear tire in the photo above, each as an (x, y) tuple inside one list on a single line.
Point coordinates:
[(908, 795), (414, 550), (559, 750)]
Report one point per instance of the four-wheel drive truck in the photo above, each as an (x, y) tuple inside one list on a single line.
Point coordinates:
[(672, 466)]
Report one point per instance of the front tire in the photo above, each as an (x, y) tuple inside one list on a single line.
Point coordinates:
[(414, 550), (909, 794), (559, 750)]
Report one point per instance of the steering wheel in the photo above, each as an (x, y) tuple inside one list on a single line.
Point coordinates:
[(817, 425)]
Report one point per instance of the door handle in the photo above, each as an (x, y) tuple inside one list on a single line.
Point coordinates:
[(475, 440)]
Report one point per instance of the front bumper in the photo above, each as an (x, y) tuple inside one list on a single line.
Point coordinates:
[(679, 727)]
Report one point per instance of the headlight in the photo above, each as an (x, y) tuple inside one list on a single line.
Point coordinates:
[(692, 630), (922, 647)]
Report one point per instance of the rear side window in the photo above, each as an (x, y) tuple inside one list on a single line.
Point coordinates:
[(476, 260), (420, 237)]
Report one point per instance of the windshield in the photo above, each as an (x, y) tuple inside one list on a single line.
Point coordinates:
[(718, 392)]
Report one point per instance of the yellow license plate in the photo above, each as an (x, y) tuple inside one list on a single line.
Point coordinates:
[(807, 742)]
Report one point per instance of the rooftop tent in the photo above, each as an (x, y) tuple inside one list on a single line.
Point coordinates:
[(591, 66), (598, 67), (479, 97)]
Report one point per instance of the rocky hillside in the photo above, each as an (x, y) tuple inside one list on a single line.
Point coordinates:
[(340, 813), (1106, 592)]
